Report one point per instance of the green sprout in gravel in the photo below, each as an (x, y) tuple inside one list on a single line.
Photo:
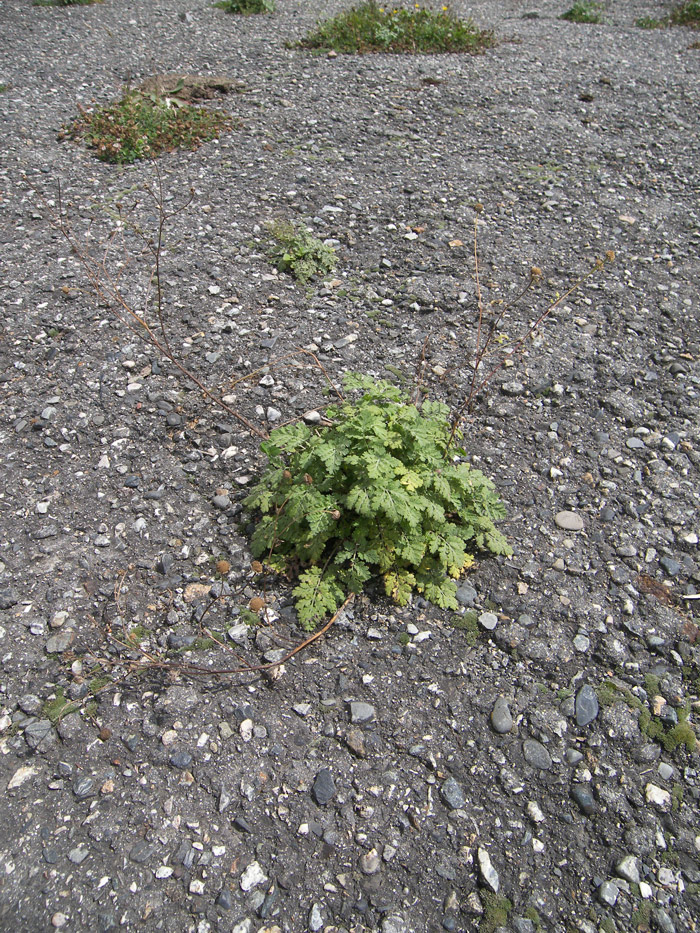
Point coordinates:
[(143, 125), (376, 492), (584, 11), (246, 7), (687, 14), (371, 28), (300, 253), (649, 22)]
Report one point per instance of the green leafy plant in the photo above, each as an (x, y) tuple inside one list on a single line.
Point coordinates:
[(687, 14), (376, 491), (246, 7), (584, 11), (143, 125), (371, 28), (300, 253)]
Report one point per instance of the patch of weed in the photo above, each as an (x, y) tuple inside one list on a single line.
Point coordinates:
[(652, 685), (607, 924), (371, 28), (248, 617), (55, 709), (4, 88), (609, 692), (246, 7), (98, 683), (680, 734), (641, 916), (300, 253), (137, 633), (649, 22), (496, 912), (676, 797), (143, 125), (468, 624), (404, 638), (376, 492), (532, 915), (687, 14), (584, 11)]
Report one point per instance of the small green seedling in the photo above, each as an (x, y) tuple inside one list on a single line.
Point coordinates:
[(246, 7), (584, 11), (300, 253)]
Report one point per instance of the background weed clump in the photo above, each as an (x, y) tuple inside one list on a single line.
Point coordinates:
[(371, 28), (246, 7), (143, 125), (585, 11), (376, 492), (687, 14)]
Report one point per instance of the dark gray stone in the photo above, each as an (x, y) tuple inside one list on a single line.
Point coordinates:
[(323, 789), (141, 851), (536, 755), (582, 796), (452, 794), (586, 706), (501, 718), (181, 760)]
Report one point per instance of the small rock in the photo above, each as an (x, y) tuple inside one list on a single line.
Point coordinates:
[(252, 876), (394, 924), (323, 789), (361, 712), (466, 595), (536, 755), (78, 855), (569, 521), (608, 893), (59, 920), (225, 899), (355, 741), (501, 718), (584, 799), (452, 794), (586, 705), (181, 760), (658, 796), (488, 873), (83, 787), (662, 921), (488, 621), (370, 862), (141, 851), (628, 868), (315, 918)]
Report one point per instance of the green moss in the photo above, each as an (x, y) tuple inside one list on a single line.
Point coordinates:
[(532, 915), (652, 685), (404, 638), (676, 797), (584, 11), (468, 624), (56, 709), (640, 916), (609, 692), (98, 683), (680, 734), (248, 617), (496, 912), (650, 22)]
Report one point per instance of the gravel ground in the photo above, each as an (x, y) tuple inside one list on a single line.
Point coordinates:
[(511, 765)]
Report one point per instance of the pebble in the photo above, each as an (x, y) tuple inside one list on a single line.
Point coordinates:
[(501, 718), (466, 595), (536, 755), (608, 893), (569, 521), (584, 799), (658, 796), (323, 789), (488, 873), (370, 862), (488, 621), (252, 877), (181, 760), (315, 918), (394, 924), (628, 868), (361, 712), (587, 707), (59, 920), (452, 794)]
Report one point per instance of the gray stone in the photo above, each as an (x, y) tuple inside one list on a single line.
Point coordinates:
[(671, 566), (40, 734), (83, 787), (608, 893), (452, 794), (466, 595), (628, 868), (221, 501), (662, 921), (584, 799), (501, 718), (523, 925), (315, 918), (361, 712), (586, 705), (488, 621), (569, 521), (141, 851), (488, 873), (57, 644), (181, 760), (536, 755), (394, 924), (78, 855), (8, 598), (323, 789)]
